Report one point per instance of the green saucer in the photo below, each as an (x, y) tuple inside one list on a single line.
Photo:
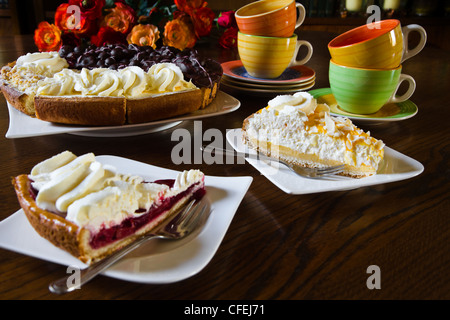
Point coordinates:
[(390, 112)]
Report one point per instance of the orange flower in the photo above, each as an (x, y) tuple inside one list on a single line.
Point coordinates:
[(121, 18), (68, 22), (47, 37), (179, 34), (144, 35)]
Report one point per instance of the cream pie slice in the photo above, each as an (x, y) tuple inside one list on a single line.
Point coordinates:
[(296, 129), (90, 210)]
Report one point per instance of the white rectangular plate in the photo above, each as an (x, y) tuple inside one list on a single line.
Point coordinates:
[(22, 125), (394, 167), (157, 261)]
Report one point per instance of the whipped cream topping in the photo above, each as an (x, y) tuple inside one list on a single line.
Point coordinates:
[(300, 123), (130, 82), (185, 178), (166, 77), (31, 68), (300, 101), (42, 63), (95, 195)]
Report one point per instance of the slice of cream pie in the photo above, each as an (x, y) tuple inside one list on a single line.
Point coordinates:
[(90, 210), (296, 129)]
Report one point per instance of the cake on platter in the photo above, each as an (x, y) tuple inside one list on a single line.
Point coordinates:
[(296, 129), (90, 210), (110, 85)]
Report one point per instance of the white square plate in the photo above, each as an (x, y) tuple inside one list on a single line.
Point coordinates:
[(157, 261), (394, 167), (22, 125)]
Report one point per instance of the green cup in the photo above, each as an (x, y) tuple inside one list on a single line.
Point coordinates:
[(365, 91)]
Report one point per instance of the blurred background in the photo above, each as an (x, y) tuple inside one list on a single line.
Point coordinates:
[(22, 17)]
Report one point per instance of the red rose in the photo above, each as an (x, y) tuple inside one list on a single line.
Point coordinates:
[(228, 39), (90, 9), (189, 5), (227, 19), (107, 35), (178, 14), (203, 19)]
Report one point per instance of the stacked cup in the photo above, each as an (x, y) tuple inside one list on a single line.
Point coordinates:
[(267, 43), (365, 66)]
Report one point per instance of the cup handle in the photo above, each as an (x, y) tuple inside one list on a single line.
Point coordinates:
[(408, 93), (294, 61), (301, 14), (408, 53)]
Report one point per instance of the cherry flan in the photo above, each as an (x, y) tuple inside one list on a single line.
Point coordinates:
[(90, 210)]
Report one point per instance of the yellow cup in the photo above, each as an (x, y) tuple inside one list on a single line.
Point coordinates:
[(268, 57), (378, 45), (272, 18)]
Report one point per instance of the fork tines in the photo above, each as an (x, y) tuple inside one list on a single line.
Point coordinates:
[(330, 170)]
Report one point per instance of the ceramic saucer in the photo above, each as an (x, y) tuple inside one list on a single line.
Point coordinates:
[(270, 90), (390, 112), (292, 75), (252, 85)]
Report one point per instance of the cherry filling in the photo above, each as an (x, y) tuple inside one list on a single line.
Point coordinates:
[(130, 225), (31, 190)]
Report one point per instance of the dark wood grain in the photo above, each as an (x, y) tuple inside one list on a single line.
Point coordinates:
[(279, 246)]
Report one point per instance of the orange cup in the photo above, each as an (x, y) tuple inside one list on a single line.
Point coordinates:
[(270, 18), (379, 45)]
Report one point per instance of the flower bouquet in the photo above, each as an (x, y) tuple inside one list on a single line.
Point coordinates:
[(101, 22)]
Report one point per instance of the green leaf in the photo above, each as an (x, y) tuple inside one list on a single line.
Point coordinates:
[(143, 9), (109, 4)]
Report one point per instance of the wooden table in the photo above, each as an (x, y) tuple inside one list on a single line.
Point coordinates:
[(279, 246)]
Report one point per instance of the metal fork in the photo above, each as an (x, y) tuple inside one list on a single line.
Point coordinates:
[(185, 222), (299, 170)]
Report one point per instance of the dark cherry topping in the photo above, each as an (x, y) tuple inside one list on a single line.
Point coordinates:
[(202, 71)]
